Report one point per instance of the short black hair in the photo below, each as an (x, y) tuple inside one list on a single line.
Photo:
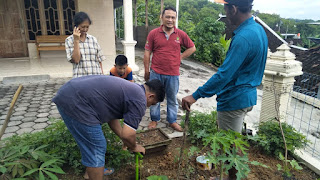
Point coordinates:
[(157, 87), (80, 17), (242, 9), (169, 8), (121, 60)]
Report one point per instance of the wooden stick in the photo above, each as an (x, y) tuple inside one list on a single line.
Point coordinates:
[(186, 122), (6, 122)]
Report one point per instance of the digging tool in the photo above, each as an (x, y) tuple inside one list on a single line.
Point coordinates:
[(6, 122), (186, 122)]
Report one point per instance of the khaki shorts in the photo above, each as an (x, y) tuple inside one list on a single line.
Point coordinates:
[(232, 119)]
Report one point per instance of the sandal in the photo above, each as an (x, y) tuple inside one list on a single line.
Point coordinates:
[(108, 173)]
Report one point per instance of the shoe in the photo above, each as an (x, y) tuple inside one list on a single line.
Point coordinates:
[(152, 125), (108, 171), (176, 127)]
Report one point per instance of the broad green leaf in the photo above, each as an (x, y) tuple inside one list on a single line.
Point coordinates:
[(48, 163), (41, 176), (56, 169), (30, 172), (52, 176)]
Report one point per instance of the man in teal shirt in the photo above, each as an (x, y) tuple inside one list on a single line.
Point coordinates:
[(242, 71)]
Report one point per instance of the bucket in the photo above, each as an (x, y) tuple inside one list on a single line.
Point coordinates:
[(203, 163)]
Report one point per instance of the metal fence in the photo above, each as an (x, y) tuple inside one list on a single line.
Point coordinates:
[(303, 112), (308, 84)]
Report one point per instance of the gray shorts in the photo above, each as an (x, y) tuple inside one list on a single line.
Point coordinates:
[(232, 119)]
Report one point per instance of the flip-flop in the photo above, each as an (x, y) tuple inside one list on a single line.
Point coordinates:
[(108, 173)]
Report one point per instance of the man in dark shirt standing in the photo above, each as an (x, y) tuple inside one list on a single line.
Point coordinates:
[(87, 102)]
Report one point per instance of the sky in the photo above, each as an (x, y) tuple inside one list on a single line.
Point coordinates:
[(297, 9)]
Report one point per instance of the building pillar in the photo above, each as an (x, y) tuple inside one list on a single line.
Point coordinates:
[(281, 68), (128, 42)]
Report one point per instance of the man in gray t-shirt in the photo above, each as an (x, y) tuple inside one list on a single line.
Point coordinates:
[(86, 102)]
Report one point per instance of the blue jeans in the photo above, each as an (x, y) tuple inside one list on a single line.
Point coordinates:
[(171, 84), (90, 139)]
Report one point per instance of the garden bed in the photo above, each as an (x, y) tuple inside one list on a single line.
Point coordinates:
[(166, 163), (153, 140)]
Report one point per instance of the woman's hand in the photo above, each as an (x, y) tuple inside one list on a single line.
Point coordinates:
[(76, 34)]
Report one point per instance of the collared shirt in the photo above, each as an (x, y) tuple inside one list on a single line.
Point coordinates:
[(166, 50), (127, 75), (242, 71), (90, 56), (98, 99)]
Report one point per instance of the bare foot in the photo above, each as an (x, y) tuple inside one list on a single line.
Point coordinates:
[(176, 127), (153, 125)]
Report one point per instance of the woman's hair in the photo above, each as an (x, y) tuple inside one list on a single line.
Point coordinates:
[(80, 17)]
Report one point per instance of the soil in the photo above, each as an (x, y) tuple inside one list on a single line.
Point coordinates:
[(166, 163), (150, 137)]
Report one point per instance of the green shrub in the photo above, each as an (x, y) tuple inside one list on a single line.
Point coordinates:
[(229, 149), (201, 125), (60, 143), (24, 162), (221, 50), (272, 142), (207, 40)]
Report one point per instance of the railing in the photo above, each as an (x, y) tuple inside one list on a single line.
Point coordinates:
[(303, 113)]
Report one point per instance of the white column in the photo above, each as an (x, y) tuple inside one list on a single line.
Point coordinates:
[(177, 9), (281, 68), (128, 42)]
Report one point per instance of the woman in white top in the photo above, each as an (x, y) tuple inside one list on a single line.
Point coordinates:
[(83, 50)]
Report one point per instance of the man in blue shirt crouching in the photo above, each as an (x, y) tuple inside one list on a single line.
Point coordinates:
[(89, 101)]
